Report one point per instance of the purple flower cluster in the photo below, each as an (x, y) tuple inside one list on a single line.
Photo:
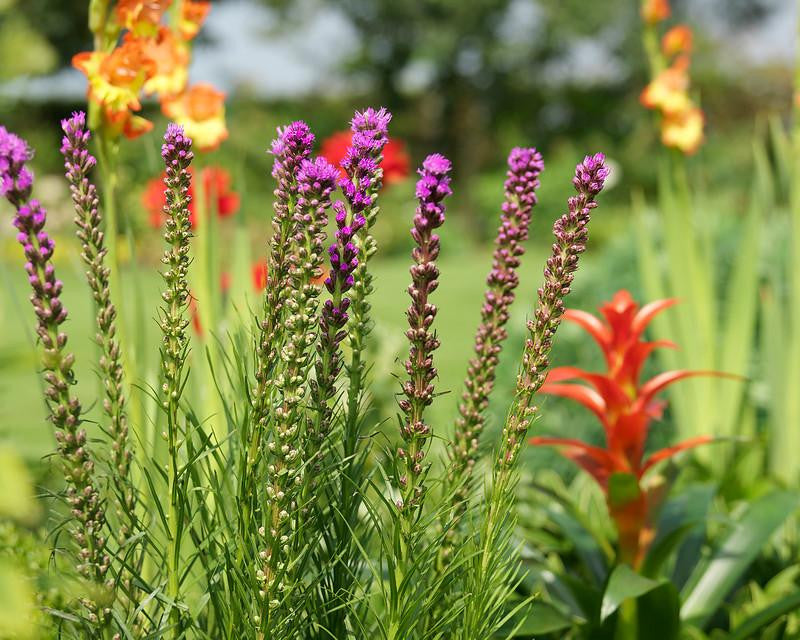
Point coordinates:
[(291, 148), (16, 180), (522, 180), (65, 409), (432, 188), (571, 233), (78, 162)]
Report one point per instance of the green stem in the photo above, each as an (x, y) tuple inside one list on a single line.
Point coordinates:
[(627, 622)]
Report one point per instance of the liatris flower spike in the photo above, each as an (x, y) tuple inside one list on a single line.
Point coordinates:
[(16, 182), (363, 181), (287, 454), (432, 188), (522, 180), (571, 234), (177, 155), (78, 162)]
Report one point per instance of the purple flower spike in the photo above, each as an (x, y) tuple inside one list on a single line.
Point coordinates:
[(571, 233), (65, 409), (522, 180), (78, 162), (432, 187), (16, 180)]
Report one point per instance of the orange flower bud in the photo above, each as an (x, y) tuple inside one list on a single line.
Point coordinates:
[(654, 11), (677, 40), (193, 14)]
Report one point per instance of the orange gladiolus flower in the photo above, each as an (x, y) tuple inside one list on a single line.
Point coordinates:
[(654, 11), (625, 407), (677, 40), (217, 189), (142, 17), (193, 14), (201, 111), (683, 130), (116, 78), (395, 163), (170, 58), (668, 92)]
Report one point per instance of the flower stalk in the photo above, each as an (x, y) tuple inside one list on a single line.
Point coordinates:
[(78, 162), (522, 180), (363, 181), (493, 557), (432, 188), (287, 457), (177, 154), (77, 461)]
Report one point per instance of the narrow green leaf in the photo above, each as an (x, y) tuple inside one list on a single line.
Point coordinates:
[(755, 623)]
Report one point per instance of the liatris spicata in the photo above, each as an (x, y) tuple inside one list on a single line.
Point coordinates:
[(522, 180), (363, 180), (490, 574), (78, 162), (571, 234), (343, 256), (432, 188), (316, 181), (177, 154), (290, 149), (16, 182)]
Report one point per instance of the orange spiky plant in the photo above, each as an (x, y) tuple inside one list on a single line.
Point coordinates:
[(626, 408)]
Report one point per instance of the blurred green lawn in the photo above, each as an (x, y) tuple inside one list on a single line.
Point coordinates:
[(22, 414)]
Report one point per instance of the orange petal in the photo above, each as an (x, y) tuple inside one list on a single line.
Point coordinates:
[(591, 324), (630, 368), (663, 380), (650, 311), (668, 452), (595, 461), (589, 398)]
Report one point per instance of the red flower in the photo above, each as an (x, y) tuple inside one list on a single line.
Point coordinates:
[(259, 273), (395, 164), (217, 189), (625, 408)]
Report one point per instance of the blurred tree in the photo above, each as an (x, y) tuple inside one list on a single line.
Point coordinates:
[(42, 34), (459, 67)]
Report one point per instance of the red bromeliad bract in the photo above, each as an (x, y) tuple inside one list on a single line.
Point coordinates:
[(625, 407)]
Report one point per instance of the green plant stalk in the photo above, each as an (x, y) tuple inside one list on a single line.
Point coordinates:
[(177, 155), (787, 464), (270, 340)]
